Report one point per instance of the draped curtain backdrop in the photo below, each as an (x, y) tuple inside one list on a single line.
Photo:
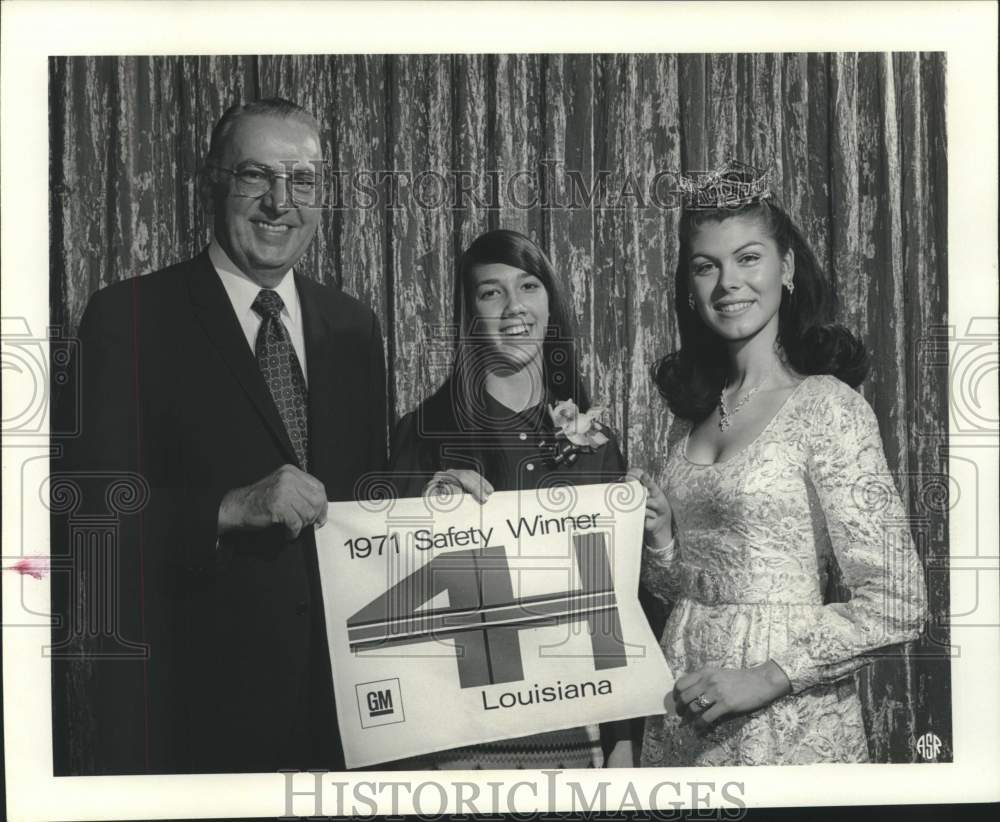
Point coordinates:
[(858, 146)]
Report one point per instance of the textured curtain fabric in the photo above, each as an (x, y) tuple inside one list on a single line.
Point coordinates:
[(858, 147)]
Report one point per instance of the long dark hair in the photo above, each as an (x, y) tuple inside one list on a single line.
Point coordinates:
[(457, 413), (811, 342), (560, 371)]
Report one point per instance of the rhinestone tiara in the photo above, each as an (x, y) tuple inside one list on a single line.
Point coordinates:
[(732, 185)]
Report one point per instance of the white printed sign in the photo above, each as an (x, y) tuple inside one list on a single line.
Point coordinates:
[(452, 623)]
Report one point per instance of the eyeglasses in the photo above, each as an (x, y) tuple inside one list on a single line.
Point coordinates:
[(255, 181)]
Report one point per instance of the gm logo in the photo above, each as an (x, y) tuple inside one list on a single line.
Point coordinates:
[(379, 703)]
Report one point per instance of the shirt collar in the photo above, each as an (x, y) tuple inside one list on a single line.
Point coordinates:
[(534, 417), (243, 291)]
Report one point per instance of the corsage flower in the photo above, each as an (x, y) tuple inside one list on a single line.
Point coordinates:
[(581, 430)]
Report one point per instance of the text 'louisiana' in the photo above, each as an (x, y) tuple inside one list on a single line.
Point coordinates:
[(548, 693)]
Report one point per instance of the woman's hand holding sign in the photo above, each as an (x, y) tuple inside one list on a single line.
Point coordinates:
[(462, 481), (657, 526)]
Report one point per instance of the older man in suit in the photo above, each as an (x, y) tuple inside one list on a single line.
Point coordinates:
[(245, 395)]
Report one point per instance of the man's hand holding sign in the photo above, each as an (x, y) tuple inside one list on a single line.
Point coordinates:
[(519, 614)]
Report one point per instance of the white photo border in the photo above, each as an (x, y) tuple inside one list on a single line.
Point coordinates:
[(32, 31)]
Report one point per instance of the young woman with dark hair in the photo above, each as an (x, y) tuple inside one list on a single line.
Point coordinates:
[(514, 356), (808, 339), (489, 427), (767, 452)]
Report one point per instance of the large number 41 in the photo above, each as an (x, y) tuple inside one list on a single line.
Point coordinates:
[(484, 617)]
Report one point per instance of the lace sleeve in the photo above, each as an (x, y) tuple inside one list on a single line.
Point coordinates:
[(870, 536), (660, 562), (658, 573)]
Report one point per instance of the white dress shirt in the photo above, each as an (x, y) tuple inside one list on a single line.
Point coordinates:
[(243, 291)]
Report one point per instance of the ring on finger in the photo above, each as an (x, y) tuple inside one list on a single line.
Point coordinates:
[(704, 702)]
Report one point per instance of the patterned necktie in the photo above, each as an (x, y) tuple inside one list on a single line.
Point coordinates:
[(282, 372)]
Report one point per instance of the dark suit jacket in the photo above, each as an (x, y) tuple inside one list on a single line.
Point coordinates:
[(238, 677)]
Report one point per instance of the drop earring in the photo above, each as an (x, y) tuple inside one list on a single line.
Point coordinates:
[(691, 301), (790, 286)]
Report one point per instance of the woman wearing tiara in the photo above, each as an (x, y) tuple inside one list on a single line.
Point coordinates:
[(513, 415), (768, 459)]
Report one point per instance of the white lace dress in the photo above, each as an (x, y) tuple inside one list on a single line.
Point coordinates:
[(754, 536)]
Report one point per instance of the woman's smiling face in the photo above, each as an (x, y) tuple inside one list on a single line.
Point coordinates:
[(511, 312), (736, 271)]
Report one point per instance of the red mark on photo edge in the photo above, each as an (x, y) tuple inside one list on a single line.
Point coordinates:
[(36, 567)]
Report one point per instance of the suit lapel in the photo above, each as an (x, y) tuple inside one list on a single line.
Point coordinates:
[(215, 313), (322, 351)]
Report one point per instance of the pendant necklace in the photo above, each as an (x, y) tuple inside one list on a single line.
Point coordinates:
[(725, 415)]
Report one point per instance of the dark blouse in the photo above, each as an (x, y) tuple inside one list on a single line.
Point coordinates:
[(514, 450)]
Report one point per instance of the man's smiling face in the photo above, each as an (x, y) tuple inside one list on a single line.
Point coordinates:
[(266, 235)]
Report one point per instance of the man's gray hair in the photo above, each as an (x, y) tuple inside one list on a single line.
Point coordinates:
[(269, 106)]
